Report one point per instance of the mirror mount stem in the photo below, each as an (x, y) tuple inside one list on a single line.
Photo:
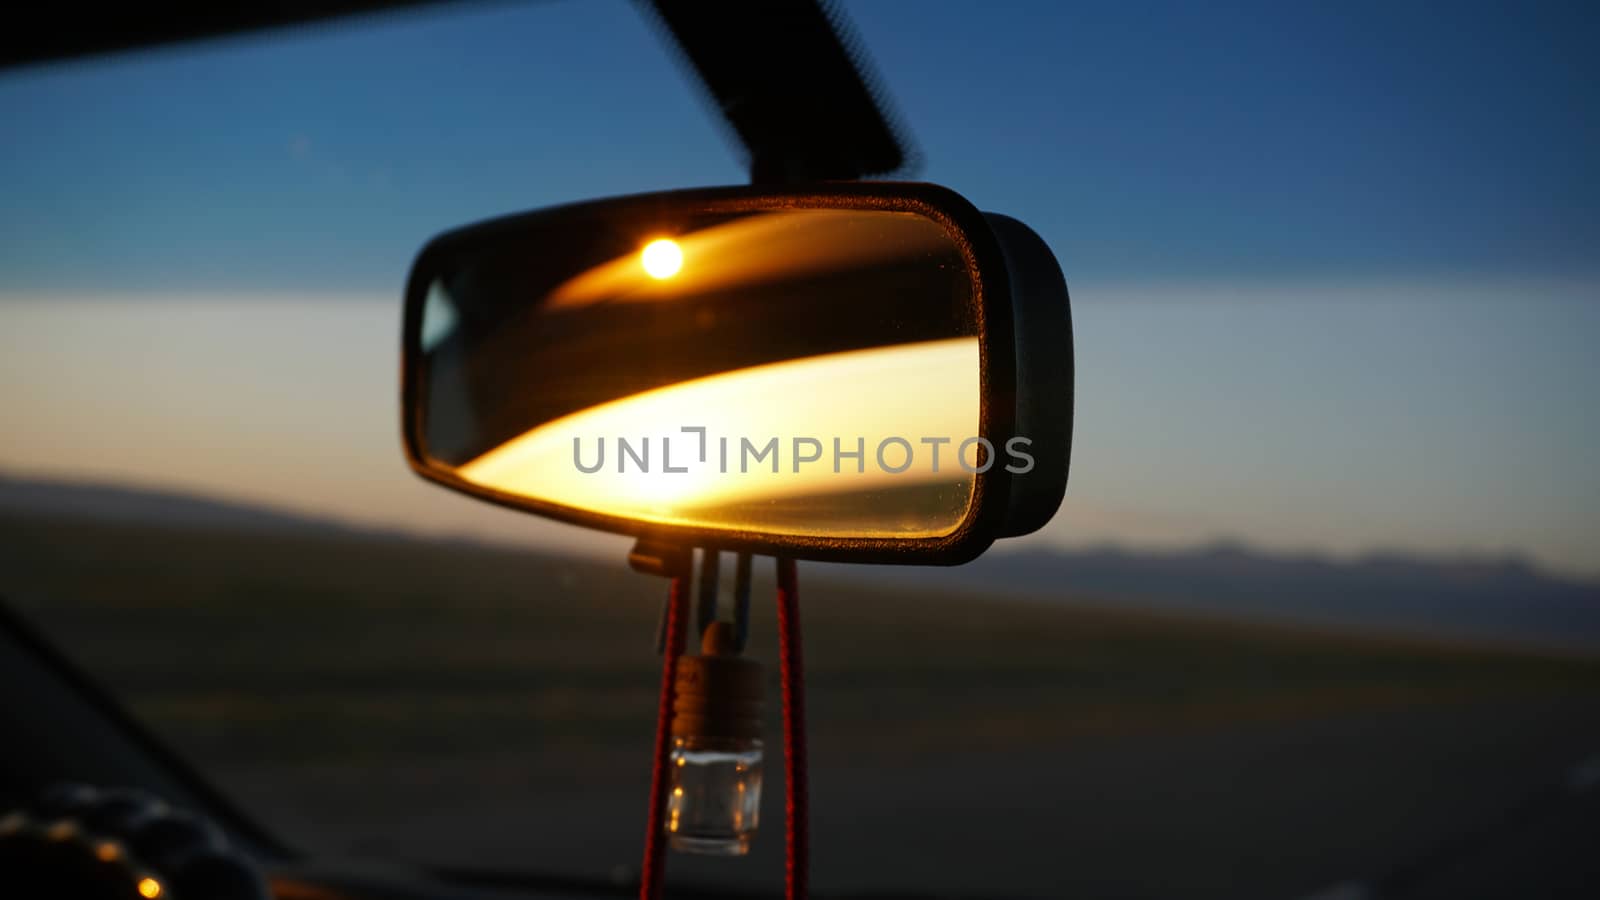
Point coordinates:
[(776, 169), (658, 558), (798, 92)]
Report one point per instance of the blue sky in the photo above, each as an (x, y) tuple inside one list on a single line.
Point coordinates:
[(1333, 266)]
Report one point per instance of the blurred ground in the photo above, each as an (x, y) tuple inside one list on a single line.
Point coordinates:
[(453, 703)]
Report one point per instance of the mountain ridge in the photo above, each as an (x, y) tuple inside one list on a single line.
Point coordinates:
[(1505, 597)]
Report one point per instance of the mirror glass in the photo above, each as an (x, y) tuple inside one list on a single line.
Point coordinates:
[(797, 371)]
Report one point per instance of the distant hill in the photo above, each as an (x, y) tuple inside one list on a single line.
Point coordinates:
[(1505, 599), (120, 503)]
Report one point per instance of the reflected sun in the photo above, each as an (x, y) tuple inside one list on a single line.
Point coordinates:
[(661, 258)]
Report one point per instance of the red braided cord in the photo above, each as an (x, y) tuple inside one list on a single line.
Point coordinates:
[(797, 827), (653, 872)]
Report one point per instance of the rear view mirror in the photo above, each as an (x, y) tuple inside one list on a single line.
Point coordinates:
[(834, 374)]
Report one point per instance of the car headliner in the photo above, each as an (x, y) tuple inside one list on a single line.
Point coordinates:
[(786, 75)]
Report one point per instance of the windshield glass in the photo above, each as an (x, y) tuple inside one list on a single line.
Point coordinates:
[(1323, 595)]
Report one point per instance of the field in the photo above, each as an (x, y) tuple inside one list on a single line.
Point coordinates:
[(478, 706)]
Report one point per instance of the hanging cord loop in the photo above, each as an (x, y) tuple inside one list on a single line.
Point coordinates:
[(797, 813), (653, 872), (676, 563), (671, 639)]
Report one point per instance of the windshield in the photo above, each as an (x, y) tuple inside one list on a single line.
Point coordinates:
[(1323, 596)]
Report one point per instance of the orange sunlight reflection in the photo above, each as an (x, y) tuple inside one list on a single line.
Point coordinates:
[(749, 250), (862, 397)]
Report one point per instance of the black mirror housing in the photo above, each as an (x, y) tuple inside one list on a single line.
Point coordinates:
[(859, 273)]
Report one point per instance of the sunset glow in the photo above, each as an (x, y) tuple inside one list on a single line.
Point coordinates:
[(862, 398)]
